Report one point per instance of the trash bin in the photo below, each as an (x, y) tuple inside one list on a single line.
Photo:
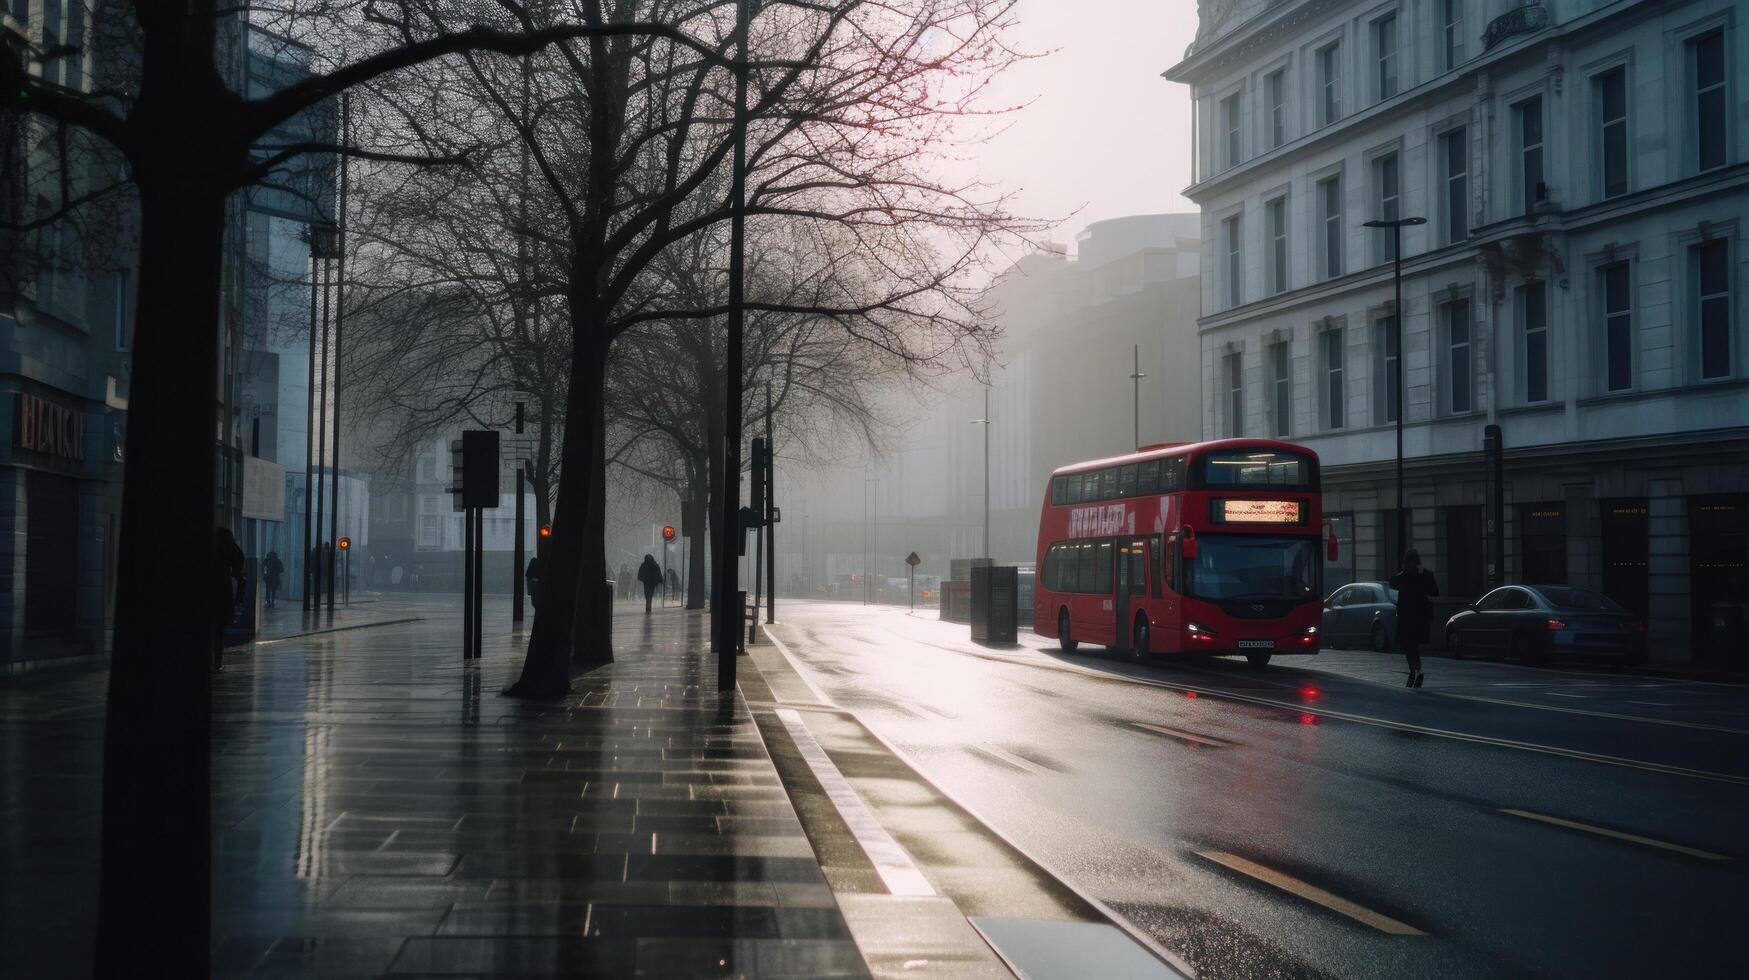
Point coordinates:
[(995, 593)]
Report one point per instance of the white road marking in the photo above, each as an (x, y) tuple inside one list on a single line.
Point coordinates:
[(1190, 737), (1312, 893), (889, 859), (1008, 758), (1617, 834), (1576, 697)]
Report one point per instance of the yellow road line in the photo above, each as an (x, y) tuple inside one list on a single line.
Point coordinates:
[(1190, 737), (1312, 893), (1617, 834)]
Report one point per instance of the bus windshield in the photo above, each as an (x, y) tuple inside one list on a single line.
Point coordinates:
[(1256, 468), (1234, 566)]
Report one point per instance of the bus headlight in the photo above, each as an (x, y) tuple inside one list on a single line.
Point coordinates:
[(1198, 632)]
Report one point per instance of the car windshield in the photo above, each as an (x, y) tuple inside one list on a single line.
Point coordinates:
[(1582, 600), (1233, 566)]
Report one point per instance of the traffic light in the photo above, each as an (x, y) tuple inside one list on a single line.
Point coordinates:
[(667, 532), (345, 544), (545, 531)]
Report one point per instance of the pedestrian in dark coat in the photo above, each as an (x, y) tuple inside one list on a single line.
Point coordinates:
[(227, 580), (650, 574), (533, 576), (271, 570), (1415, 588)]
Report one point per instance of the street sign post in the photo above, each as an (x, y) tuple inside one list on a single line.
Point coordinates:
[(911, 563)]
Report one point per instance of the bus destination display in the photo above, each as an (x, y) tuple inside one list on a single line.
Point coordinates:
[(1257, 511)]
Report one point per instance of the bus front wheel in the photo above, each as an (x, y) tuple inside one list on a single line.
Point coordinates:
[(1258, 660), (1063, 639)]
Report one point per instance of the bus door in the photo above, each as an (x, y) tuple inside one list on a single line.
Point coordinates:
[(1132, 583)]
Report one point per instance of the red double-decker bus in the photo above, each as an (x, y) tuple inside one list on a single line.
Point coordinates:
[(1210, 547)]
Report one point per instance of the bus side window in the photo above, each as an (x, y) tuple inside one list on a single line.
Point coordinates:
[(1058, 487), (1171, 571), (1172, 474), (1148, 477), (1126, 480), (1083, 568), (1102, 584)]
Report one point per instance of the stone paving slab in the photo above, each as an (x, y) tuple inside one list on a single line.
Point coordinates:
[(380, 810)]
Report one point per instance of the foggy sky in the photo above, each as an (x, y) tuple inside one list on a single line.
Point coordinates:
[(1104, 133)]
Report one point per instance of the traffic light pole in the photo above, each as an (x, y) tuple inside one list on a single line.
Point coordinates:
[(517, 565), (770, 515), (467, 584)]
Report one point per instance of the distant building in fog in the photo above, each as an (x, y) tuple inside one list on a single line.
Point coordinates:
[(1061, 392), (1579, 282)]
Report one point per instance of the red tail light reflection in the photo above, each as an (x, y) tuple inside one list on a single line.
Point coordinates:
[(1190, 694), (1307, 718), (1309, 692)]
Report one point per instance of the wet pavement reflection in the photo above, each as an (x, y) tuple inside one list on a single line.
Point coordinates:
[(380, 809)]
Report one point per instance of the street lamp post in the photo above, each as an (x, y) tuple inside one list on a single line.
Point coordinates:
[(1396, 226), (1136, 377), (985, 422)]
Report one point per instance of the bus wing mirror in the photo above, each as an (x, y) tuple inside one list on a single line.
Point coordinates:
[(1330, 549)]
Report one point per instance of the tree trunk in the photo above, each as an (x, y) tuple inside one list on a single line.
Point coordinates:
[(593, 643), (154, 898), (573, 567)]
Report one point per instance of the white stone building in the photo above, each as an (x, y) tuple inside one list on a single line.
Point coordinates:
[(1583, 168)]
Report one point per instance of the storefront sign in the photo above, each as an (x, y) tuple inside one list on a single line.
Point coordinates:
[(1257, 511), (41, 426)]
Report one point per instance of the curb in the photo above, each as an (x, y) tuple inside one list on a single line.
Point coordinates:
[(1122, 924)]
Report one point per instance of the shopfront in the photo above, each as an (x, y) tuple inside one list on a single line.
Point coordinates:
[(1718, 527)]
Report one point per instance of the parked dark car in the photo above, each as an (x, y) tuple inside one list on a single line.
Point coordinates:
[(1360, 614), (1539, 622)]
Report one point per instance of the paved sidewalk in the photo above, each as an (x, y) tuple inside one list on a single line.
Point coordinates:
[(380, 809)]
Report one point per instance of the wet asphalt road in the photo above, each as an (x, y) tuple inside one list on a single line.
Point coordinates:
[(1318, 819)]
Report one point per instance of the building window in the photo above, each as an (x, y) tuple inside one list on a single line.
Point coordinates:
[(1529, 130), (1231, 127), (1384, 33), (1329, 84), (1330, 216), (124, 314), (1282, 390), (1454, 171), (1334, 415), (1275, 214), (1235, 396), (1455, 324), (1612, 135), (1618, 327), (1533, 315), (1230, 231), (1711, 281), (1706, 56), (1387, 191), (1388, 400), (1275, 91), (1452, 32)]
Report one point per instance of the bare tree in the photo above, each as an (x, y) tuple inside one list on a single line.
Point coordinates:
[(851, 100), (168, 107)]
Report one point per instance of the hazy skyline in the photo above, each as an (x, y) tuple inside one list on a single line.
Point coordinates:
[(1104, 135)]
